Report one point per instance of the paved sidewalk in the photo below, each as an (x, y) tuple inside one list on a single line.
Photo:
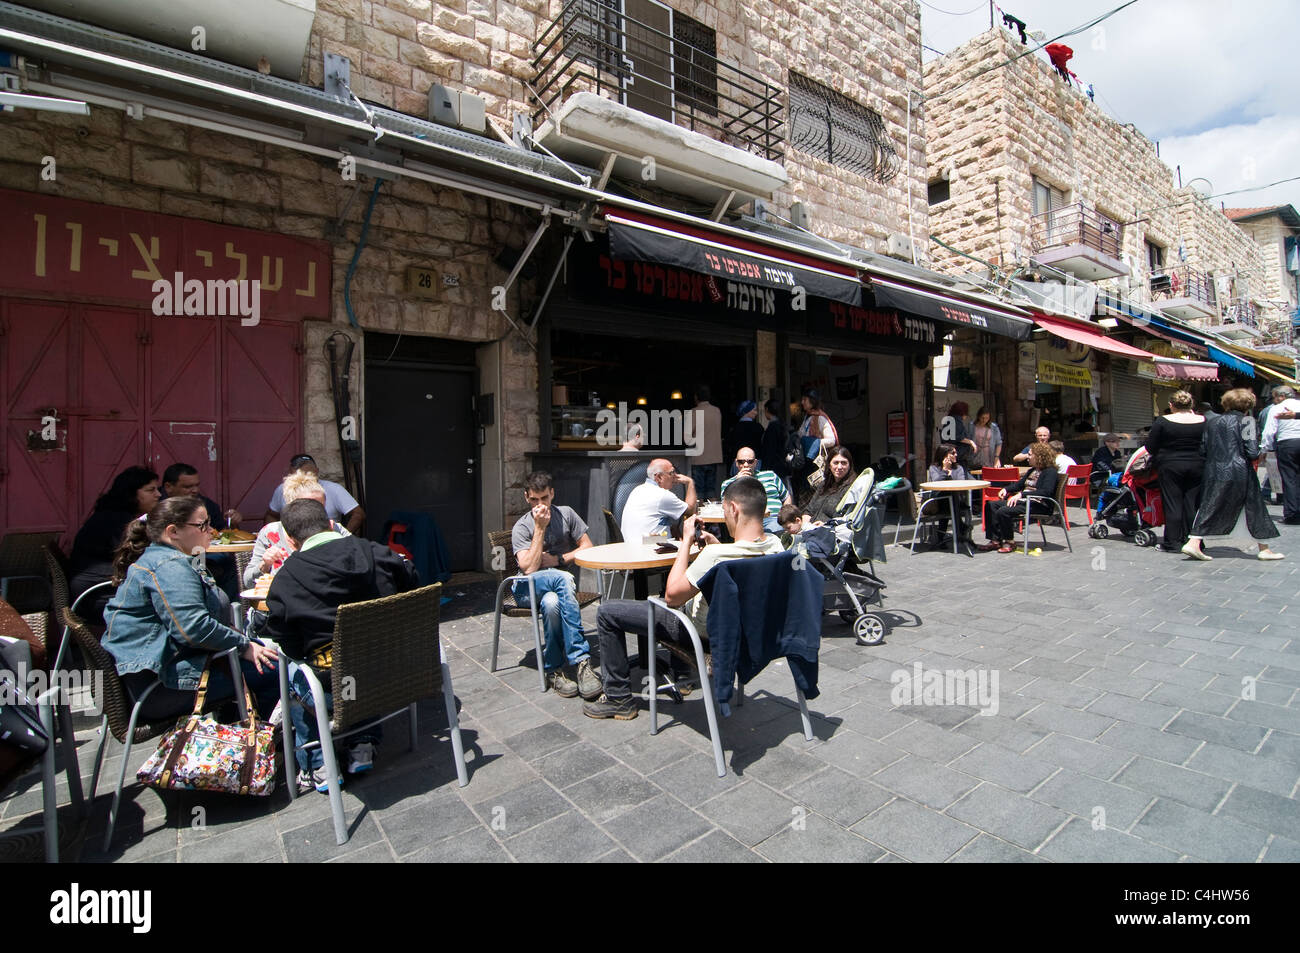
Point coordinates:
[(1148, 709)]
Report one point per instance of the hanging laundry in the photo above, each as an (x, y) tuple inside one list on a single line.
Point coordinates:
[(1014, 23), (1060, 54), (1091, 95)]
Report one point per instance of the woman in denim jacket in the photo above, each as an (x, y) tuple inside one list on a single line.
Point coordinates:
[(164, 620)]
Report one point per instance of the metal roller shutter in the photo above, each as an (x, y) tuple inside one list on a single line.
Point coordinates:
[(1130, 402)]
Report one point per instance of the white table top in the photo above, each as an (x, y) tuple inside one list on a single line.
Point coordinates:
[(953, 486), (624, 556)]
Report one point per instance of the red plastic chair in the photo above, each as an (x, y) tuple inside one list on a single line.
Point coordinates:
[(999, 477), (1077, 488)]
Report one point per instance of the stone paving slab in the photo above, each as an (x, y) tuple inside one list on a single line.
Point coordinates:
[(1123, 732)]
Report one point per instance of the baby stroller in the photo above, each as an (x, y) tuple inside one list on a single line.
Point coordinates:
[(1132, 504), (843, 550)]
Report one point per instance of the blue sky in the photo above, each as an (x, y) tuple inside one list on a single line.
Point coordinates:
[(1214, 83)]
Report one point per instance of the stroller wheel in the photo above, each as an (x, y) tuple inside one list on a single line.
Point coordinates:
[(1099, 531), (1144, 537), (869, 629), (848, 615)]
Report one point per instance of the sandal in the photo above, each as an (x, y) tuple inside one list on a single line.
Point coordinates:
[(1005, 548), (989, 546)]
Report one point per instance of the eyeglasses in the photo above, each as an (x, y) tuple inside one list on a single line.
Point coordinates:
[(206, 524)]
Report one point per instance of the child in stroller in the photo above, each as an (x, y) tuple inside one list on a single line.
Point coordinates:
[(843, 551), (1131, 503)]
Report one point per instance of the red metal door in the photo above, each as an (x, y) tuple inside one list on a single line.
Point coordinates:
[(106, 432), (185, 397)]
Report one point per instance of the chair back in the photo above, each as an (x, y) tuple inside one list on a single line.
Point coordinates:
[(23, 555), (1077, 479), (388, 648), (110, 694), (59, 589), (612, 529), (242, 560), (629, 480), (500, 540)]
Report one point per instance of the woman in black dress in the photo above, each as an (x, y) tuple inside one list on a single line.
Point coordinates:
[(1229, 485), (1175, 447), (134, 493)]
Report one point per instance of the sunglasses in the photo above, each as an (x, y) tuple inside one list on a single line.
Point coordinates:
[(746, 463)]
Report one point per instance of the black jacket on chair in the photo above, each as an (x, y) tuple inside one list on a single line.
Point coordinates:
[(309, 588), (760, 609)]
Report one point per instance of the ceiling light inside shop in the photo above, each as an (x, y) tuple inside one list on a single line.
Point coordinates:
[(640, 401), (677, 395)]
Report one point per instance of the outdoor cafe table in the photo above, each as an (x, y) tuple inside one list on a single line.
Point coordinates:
[(712, 513), (624, 557), (950, 489), (244, 547)]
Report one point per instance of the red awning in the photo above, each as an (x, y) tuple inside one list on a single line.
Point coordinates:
[(1175, 369), (1080, 334)]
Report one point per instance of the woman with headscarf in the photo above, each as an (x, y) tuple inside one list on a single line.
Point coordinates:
[(1229, 489)]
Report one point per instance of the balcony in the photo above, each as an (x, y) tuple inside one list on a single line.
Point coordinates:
[(1080, 241), (1185, 293), (610, 87), (1240, 321)]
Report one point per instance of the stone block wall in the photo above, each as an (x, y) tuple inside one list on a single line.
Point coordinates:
[(157, 166)]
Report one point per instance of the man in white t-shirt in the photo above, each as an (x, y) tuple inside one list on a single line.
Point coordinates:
[(653, 506), (1063, 460), (743, 507), (340, 505)]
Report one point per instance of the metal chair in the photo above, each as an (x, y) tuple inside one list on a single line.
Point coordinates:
[(121, 717), (1057, 504), (999, 477), (704, 661), (388, 656), (507, 575), (906, 500), (615, 534)]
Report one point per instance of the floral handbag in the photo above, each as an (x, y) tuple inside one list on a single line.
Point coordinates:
[(200, 754)]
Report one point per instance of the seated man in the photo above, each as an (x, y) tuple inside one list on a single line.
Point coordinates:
[(339, 504), (1041, 435), (777, 494), (653, 507), (325, 571), (545, 539), (743, 506), (1108, 458), (181, 479), (1063, 460)]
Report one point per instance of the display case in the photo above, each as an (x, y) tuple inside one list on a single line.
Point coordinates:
[(575, 426)]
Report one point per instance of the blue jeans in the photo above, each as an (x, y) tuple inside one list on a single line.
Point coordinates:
[(565, 642), (706, 480), (772, 526), (302, 710)]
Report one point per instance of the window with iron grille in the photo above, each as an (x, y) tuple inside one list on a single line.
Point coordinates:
[(832, 127), (695, 64), (591, 33)]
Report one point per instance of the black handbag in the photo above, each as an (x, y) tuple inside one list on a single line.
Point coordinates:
[(794, 456)]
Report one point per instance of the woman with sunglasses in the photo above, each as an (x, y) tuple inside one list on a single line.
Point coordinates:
[(165, 620)]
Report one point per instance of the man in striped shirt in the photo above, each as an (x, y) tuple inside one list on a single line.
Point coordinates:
[(777, 494)]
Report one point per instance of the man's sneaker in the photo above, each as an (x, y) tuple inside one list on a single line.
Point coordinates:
[(361, 757), (562, 683), (622, 709), (315, 779), (589, 684)]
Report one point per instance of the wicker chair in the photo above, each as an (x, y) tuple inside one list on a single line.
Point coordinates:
[(506, 604), (22, 571), (121, 718), (386, 657)]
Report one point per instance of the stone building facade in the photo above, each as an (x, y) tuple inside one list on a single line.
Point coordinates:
[(869, 52)]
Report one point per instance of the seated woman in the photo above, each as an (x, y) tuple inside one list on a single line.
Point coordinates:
[(273, 545), (830, 498), (133, 493), (1001, 514), (946, 467), (164, 621)]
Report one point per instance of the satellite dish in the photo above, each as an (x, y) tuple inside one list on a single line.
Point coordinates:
[(1201, 187)]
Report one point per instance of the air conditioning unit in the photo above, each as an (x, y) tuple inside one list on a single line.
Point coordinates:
[(454, 107), (899, 246)]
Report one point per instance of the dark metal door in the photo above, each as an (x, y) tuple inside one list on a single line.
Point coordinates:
[(422, 452)]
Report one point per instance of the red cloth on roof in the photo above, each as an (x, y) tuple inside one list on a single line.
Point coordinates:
[(1059, 54)]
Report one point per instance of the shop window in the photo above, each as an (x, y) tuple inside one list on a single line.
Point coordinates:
[(940, 191), (829, 126), (695, 64)]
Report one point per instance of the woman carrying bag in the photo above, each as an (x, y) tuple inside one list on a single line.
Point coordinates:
[(164, 621), (816, 438)]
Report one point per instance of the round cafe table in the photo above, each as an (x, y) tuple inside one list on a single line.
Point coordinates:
[(712, 514), (623, 557), (950, 489)]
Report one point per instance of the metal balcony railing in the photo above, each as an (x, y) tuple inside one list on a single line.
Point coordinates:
[(1184, 282), (1077, 225), (593, 47), (1242, 311)]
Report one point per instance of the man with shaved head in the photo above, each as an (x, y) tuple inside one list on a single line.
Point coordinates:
[(653, 506)]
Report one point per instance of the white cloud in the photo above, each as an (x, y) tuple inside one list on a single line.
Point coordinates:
[(1242, 157)]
